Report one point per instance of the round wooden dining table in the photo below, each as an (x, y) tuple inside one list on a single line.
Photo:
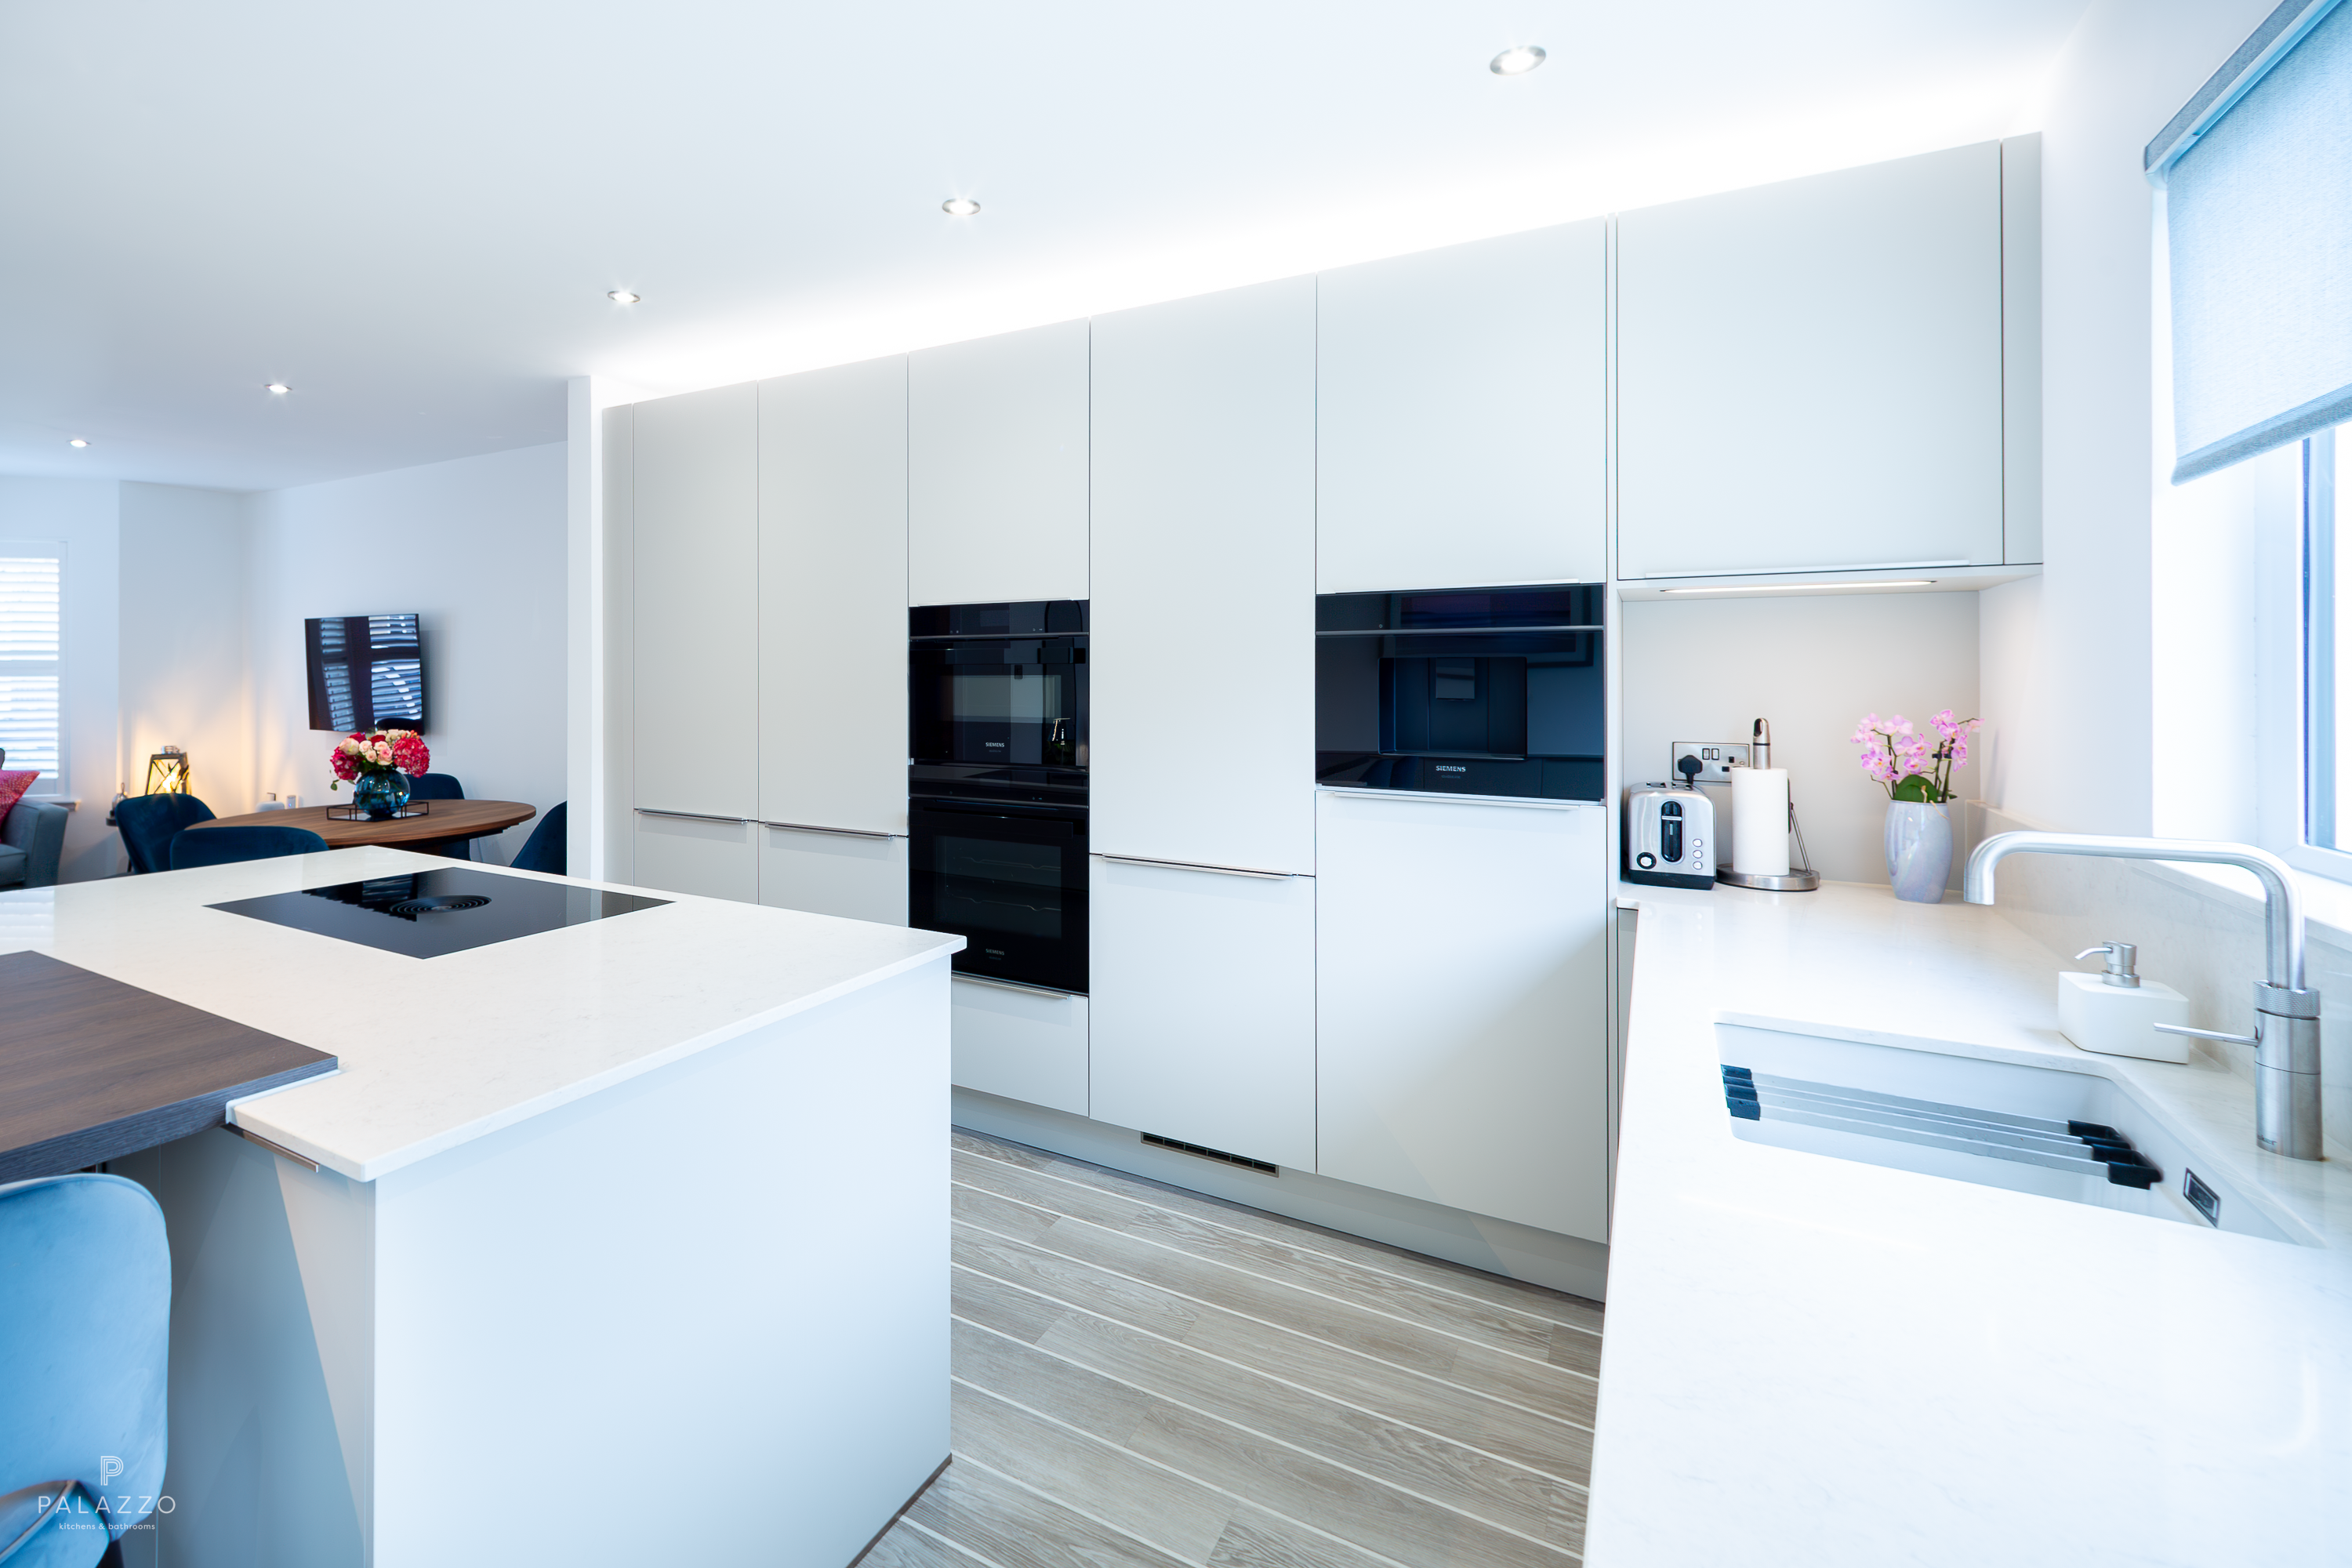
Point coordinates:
[(448, 820)]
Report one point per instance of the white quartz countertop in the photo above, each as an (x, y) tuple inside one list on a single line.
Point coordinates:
[(1819, 1361), (437, 1051)]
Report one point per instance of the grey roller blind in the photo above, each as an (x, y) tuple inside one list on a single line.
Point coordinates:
[(2258, 175)]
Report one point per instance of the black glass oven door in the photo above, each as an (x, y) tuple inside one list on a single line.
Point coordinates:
[(1011, 881), (1008, 702)]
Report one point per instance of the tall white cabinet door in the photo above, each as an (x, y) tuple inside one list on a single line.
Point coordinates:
[(833, 597), (852, 876), (1203, 614), (996, 468), (1462, 1005), (1810, 374), (1202, 1009), (696, 613), (1463, 415)]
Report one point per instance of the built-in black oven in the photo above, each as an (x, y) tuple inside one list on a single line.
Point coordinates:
[(1495, 691), (997, 786)]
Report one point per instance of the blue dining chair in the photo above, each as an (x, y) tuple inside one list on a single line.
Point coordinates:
[(225, 845), (443, 786), (544, 849), (150, 822), (85, 1337)]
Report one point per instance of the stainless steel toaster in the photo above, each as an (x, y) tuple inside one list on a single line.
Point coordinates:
[(1669, 837)]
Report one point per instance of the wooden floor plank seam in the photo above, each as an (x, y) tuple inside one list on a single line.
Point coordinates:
[(1062, 1503), (1309, 1235), (1211, 1416), (1304, 1243), (1186, 1476), (1271, 1377), (1270, 1324), (1284, 1284)]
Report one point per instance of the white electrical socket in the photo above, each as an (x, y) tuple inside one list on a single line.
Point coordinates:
[(1716, 761)]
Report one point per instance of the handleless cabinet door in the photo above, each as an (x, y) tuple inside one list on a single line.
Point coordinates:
[(1202, 1012), (695, 611), (833, 597), (1810, 374), (1462, 416), (996, 433), (1462, 1005), (1203, 618)]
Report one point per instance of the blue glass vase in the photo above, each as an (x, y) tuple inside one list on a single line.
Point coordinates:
[(380, 795)]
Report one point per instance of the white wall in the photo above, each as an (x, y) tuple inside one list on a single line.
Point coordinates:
[(478, 548), (81, 513), (1812, 664), (2076, 655), (184, 671)]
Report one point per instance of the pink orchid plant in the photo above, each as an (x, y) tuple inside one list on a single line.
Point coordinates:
[(1911, 765)]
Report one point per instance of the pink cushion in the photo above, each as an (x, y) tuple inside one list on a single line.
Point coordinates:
[(13, 783)]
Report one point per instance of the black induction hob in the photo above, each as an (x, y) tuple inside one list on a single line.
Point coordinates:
[(428, 913)]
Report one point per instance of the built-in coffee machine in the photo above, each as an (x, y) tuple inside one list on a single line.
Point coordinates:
[(996, 786)]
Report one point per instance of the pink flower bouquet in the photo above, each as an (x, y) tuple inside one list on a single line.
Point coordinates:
[(1910, 765), (384, 751)]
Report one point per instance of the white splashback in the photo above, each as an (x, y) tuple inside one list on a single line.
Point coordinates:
[(1702, 670)]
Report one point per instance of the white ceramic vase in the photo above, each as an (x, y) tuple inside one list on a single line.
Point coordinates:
[(1918, 850)]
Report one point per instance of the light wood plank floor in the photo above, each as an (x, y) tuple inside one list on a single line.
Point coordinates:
[(1148, 1377)]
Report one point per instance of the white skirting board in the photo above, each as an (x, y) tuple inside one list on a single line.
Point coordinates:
[(1499, 1247)]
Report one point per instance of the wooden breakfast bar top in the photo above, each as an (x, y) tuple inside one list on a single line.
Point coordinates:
[(448, 819), (93, 1069)]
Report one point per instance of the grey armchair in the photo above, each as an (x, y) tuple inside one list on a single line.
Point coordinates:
[(31, 840)]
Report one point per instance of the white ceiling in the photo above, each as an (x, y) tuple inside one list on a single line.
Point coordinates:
[(410, 214)]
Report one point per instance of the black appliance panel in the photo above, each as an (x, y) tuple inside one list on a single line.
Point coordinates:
[(1496, 691), (1011, 879), (998, 701), (1030, 617)]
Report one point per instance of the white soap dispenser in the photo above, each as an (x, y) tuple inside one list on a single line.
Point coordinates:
[(2115, 1013)]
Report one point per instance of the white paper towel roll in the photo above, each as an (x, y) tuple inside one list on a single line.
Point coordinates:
[(1759, 821)]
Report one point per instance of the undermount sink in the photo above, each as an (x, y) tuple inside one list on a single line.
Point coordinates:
[(2077, 1136)]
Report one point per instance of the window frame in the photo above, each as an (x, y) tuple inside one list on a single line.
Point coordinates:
[(53, 783)]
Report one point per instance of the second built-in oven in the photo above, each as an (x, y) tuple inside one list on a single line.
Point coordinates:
[(996, 786)]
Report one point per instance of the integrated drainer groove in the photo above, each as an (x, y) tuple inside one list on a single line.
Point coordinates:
[(2087, 1148)]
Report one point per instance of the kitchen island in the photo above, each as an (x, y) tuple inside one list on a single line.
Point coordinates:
[(619, 1241), (1816, 1360)]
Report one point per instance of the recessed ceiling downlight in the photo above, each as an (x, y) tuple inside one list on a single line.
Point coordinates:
[(959, 206), (621, 296), (1517, 60), (277, 387), (77, 441)]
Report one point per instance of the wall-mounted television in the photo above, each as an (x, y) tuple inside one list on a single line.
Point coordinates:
[(365, 672)]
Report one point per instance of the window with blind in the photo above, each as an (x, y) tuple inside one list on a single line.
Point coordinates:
[(32, 673)]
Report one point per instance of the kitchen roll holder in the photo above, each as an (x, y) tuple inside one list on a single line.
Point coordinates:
[(1799, 879)]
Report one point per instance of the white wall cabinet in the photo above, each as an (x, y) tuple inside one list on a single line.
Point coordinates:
[(997, 468), (854, 876), (696, 634), (832, 588), (1809, 372), (716, 858), (1022, 1044), (1463, 415), (1462, 1005), (1203, 612), (1203, 1008)]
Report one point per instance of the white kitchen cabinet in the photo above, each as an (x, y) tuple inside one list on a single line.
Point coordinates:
[(997, 469), (1022, 1044), (1202, 1017), (1463, 415), (1462, 1013), (1203, 608), (832, 588), (1810, 374), (696, 632), (854, 875), (715, 857)]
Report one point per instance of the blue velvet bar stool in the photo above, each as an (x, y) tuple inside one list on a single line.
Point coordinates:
[(225, 845), (85, 1334), (149, 823), (544, 850)]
